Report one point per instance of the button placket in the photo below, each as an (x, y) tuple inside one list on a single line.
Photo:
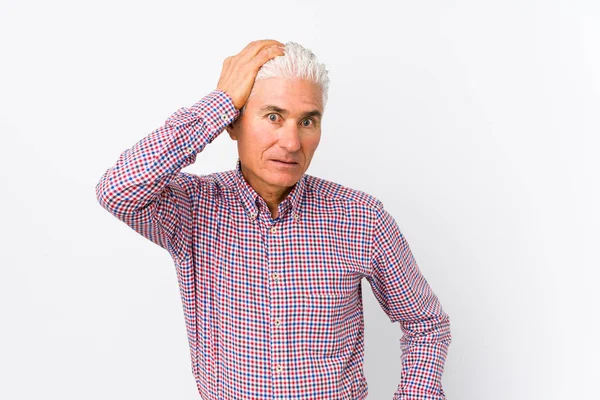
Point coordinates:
[(276, 277)]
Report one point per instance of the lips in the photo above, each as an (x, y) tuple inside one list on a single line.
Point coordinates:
[(286, 162)]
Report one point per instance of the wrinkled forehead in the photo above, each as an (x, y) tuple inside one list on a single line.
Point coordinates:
[(295, 95)]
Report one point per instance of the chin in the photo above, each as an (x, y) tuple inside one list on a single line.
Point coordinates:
[(282, 180)]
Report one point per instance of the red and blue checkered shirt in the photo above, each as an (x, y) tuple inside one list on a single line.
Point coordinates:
[(273, 307)]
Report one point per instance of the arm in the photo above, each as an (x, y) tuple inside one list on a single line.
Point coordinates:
[(406, 297), (145, 188)]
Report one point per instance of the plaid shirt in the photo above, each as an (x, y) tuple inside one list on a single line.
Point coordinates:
[(273, 307)]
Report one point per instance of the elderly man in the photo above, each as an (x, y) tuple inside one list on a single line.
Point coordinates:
[(269, 259)]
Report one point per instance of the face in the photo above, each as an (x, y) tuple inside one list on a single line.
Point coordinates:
[(278, 133)]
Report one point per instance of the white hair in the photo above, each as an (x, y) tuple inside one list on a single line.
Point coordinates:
[(297, 63)]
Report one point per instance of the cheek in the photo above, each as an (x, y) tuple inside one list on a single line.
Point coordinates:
[(311, 143), (257, 138), (252, 131)]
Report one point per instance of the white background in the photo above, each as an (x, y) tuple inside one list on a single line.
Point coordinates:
[(475, 122)]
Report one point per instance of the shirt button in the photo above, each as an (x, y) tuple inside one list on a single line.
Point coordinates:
[(273, 229), (276, 277), (252, 215), (190, 149), (277, 322), (296, 216), (224, 117), (278, 369)]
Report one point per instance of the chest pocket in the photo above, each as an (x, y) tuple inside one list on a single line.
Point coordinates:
[(328, 322)]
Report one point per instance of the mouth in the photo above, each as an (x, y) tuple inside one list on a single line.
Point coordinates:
[(285, 163)]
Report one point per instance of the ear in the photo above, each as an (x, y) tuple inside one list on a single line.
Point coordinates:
[(231, 129)]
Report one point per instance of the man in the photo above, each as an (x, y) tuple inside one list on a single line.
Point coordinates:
[(269, 259)]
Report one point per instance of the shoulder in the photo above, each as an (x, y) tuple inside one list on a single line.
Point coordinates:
[(320, 189)]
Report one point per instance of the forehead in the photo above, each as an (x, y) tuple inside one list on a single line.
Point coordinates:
[(295, 95)]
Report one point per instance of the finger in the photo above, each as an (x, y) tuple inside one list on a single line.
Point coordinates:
[(256, 47), (248, 46), (266, 54)]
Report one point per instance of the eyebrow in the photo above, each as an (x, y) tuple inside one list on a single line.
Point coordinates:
[(313, 113)]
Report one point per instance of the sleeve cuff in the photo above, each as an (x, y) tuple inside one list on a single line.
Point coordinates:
[(217, 109), (201, 123)]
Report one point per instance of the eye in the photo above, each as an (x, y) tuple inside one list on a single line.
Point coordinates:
[(307, 122), (272, 117)]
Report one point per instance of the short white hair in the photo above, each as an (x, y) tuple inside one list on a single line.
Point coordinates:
[(298, 62)]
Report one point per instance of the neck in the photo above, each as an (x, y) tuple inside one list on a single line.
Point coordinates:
[(273, 196), (273, 199)]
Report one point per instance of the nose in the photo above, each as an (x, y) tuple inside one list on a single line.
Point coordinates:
[(289, 137)]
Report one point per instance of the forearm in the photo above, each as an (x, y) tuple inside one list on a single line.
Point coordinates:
[(424, 347), (407, 298), (142, 172)]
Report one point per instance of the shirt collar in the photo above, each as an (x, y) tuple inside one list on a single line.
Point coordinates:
[(252, 200)]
